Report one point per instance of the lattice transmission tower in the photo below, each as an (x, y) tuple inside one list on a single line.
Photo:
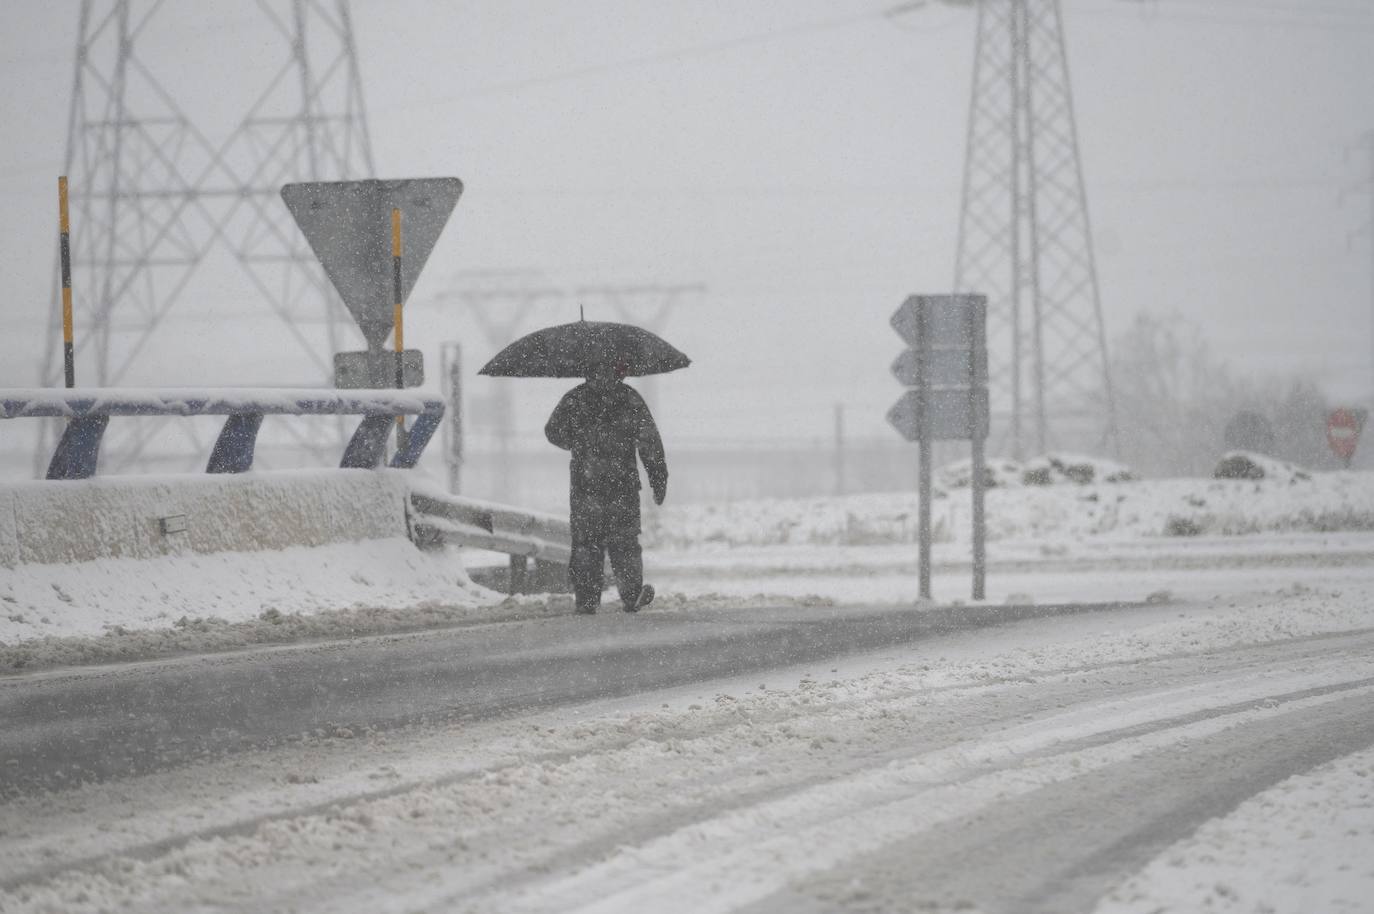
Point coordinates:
[(1024, 236), (170, 197)]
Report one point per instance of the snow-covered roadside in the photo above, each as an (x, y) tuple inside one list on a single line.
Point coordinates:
[(1306, 844), (1026, 571), (1175, 508), (1049, 544), (201, 635), (88, 598), (594, 796), (1129, 541), (123, 608)]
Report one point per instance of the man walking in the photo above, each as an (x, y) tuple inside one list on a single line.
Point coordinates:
[(605, 423)]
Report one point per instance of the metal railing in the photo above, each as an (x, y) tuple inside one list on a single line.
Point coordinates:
[(439, 519), (88, 412)]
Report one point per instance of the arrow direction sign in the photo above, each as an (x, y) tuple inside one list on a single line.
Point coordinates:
[(947, 368), (951, 414), (948, 324), (348, 226)]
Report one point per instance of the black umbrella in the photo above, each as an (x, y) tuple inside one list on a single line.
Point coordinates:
[(576, 350)]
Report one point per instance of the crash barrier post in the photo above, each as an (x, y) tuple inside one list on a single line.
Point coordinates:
[(440, 519), (88, 412)]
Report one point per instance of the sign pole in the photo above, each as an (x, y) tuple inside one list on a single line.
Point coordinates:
[(64, 227), (923, 440), (451, 356), (977, 371), (396, 317)]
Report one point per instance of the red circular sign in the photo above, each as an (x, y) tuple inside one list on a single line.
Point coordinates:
[(1342, 433)]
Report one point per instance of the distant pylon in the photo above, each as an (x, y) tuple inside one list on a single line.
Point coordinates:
[(154, 199), (501, 301), (1024, 235)]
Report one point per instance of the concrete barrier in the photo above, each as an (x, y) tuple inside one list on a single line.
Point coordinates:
[(148, 517)]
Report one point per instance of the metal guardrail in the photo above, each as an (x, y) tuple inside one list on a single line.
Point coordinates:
[(451, 519), (441, 519), (88, 411)]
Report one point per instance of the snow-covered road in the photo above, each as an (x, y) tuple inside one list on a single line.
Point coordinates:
[(1036, 766), (104, 723)]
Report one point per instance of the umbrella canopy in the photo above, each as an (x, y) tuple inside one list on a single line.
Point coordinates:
[(578, 349)]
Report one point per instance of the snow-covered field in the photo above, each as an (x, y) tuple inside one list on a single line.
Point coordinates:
[(1056, 516), (1107, 541)]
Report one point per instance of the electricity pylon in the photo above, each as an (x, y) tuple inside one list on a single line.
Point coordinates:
[(155, 200), (1024, 236)]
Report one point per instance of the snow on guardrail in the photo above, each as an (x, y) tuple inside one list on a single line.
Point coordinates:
[(88, 412)]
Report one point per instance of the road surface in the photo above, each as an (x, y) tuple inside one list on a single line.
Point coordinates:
[(94, 725)]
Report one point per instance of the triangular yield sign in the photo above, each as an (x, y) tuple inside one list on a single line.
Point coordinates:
[(348, 225)]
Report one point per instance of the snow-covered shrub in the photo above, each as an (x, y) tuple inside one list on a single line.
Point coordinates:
[(1048, 470), (1052, 469), (1249, 465), (997, 473)]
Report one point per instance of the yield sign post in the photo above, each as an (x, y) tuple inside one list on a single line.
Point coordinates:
[(1343, 427), (348, 226)]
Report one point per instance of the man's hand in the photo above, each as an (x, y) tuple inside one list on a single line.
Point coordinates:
[(660, 491)]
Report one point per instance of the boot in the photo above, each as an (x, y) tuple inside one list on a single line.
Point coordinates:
[(646, 596)]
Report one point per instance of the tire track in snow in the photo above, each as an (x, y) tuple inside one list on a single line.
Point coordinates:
[(683, 838), (680, 789), (749, 857), (1058, 849)]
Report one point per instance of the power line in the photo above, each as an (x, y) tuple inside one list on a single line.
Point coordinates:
[(1278, 6), (1281, 19), (698, 50)]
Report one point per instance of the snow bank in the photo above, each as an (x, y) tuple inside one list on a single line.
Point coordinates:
[(199, 594), (1324, 502), (199, 562)]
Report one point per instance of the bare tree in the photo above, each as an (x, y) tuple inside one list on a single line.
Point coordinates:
[(1175, 398)]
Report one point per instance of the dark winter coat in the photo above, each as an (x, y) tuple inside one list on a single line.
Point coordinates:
[(605, 423)]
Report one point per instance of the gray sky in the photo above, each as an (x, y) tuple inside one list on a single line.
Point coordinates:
[(802, 159)]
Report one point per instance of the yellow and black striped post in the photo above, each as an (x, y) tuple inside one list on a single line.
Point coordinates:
[(64, 227), (396, 316)]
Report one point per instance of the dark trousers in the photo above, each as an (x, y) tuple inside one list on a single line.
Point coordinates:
[(605, 522)]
